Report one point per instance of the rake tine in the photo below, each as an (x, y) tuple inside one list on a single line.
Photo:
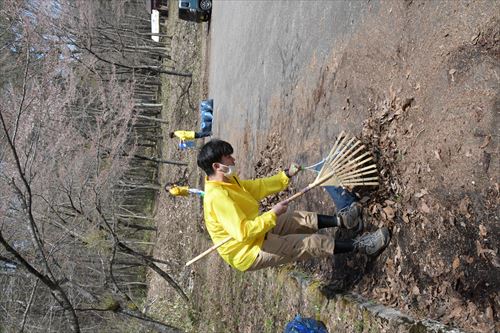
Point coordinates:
[(350, 155), (361, 184), (352, 164), (371, 166), (361, 179), (363, 176), (337, 142), (350, 179), (340, 138), (340, 154), (354, 175), (346, 154), (349, 169)]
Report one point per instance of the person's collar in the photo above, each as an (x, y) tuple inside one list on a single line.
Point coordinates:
[(218, 177)]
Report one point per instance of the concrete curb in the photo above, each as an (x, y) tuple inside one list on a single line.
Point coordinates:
[(352, 313), (397, 318)]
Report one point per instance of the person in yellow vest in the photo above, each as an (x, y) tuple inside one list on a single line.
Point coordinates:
[(259, 240), (182, 191), (187, 138), (189, 135)]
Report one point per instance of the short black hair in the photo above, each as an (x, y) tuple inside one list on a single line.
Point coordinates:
[(171, 134), (211, 153)]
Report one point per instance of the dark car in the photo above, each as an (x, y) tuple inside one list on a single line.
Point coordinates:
[(195, 10)]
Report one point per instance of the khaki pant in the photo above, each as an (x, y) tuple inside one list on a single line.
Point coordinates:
[(293, 238)]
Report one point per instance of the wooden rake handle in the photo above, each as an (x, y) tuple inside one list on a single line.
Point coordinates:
[(309, 187), (210, 249)]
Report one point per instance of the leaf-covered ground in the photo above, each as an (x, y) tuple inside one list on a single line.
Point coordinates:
[(422, 94)]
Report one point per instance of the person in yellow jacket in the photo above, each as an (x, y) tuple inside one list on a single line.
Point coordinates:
[(189, 135), (259, 240), (182, 191)]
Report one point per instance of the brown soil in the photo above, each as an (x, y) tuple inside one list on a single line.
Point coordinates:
[(425, 101), (430, 117)]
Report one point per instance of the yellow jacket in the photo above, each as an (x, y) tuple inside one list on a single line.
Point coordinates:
[(184, 135), (179, 191), (232, 209)]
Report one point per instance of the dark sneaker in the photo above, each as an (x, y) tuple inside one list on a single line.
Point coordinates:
[(350, 217), (374, 242)]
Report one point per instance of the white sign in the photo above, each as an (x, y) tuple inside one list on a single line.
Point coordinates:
[(155, 24)]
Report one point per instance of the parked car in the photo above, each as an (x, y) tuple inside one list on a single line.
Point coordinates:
[(195, 10)]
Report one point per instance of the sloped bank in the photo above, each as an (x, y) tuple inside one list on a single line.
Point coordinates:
[(350, 312)]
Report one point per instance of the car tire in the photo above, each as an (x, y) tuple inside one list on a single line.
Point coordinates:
[(206, 5)]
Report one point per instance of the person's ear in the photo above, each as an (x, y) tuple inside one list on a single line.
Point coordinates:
[(215, 166)]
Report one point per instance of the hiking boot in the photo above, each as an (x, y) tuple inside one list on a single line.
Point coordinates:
[(350, 217), (374, 242)]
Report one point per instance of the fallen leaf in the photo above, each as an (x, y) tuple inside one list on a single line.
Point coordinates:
[(469, 259), (471, 307), (421, 193), (489, 313), (389, 212), (482, 230), (452, 71), (463, 206), (397, 257), (482, 250), (474, 37), (456, 263), (495, 262), (437, 154), (424, 208), (485, 161), (455, 313), (389, 264), (407, 103), (364, 199), (415, 290), (486, 142)]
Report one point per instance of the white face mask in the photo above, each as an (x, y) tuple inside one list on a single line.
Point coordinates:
[(230, 170)]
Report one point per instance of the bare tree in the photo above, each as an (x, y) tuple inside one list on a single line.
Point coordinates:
[(78, 166)]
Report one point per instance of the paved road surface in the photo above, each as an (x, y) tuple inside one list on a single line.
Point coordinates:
[(260, 49)]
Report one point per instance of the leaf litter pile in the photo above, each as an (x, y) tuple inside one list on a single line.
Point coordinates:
[(442, 262)]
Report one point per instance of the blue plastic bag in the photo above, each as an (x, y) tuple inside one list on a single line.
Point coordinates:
[(207, 105), (305, 325), (206, 113), (206, 126), (206, 116)]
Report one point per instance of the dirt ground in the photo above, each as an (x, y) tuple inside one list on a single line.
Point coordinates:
[(426, 103)]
